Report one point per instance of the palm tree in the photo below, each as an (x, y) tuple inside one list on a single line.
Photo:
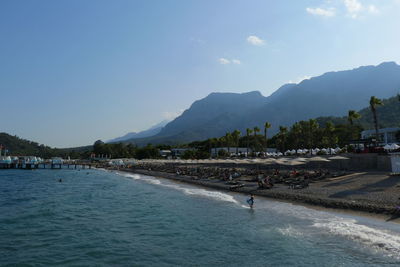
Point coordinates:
[(353, 115), (267, 125), (282, 137), (374, 102), (256, 130), (248, 132), (213, 142), (313, 132), (228, 139), (235, 136), (296, 135), (330, 134)]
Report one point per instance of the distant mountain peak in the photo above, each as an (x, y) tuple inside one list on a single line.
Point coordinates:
[(155, 129), (388, 63), (222, 94)]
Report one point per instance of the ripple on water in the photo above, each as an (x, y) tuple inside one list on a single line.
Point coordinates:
[(104, 219)]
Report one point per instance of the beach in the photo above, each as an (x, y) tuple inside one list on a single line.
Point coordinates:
[(367, 192)]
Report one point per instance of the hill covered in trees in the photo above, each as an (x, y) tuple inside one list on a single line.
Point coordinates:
[(388, 115), (20, 147)]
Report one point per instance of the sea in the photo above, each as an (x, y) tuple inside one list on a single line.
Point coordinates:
[(103, 218)]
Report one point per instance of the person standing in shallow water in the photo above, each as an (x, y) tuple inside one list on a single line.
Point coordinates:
[(250, 201)]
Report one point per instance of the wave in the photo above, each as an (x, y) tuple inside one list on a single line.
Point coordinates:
[(378, 239), (368, 236), (373, 237), (290, 231), (216, 195)]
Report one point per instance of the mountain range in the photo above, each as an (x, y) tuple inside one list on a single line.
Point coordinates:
[(331, 94), (142, 134)]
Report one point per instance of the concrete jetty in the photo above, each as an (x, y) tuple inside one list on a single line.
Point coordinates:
[(32, 162)]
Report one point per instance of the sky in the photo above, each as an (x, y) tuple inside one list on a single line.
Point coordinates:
[(75, 71)]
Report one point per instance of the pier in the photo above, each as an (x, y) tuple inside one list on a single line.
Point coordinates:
[(30, 163)]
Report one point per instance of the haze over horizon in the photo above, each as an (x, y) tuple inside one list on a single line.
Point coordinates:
[(73, 72)]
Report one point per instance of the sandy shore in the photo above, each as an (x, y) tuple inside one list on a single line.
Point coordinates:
[(368, 193)]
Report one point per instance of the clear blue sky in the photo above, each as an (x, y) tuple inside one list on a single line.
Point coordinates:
[(75, 71)]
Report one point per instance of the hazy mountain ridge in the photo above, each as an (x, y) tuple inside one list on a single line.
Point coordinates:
[(204, 112), (331, 94), (142, 134)]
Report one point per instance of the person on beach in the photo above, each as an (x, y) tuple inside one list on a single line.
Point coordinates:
[(250, 201), (398, 208)]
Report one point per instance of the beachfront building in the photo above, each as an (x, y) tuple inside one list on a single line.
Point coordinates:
[(230, 150), (386, 135), (233, 151), (165, 153), (178, 152), (57, 160)]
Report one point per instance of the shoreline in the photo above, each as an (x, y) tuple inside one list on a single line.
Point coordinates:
[(350, 207)]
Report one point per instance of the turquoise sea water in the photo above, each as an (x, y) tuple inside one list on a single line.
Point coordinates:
[(100, 218)]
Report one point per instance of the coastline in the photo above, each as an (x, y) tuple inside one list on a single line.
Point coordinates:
[(351, 207)]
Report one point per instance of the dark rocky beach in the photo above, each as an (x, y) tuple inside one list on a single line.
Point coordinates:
[(374, 192)]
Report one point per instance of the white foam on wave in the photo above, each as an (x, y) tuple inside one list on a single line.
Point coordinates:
[(369, 236), (216, 195), (290, 231), (133, 176), (203, 193), (149, 180), (378, 239)]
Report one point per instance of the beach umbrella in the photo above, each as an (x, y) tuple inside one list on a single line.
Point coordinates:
[(394, 146), (318, 159), (301, 159), (387, 147), (293, 162), (301, 151), (338, 158)]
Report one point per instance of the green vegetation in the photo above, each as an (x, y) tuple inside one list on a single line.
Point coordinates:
[(20, 147), (121, 150), (388, 114), (374, 103)]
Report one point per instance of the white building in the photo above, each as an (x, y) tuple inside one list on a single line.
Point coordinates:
[(232, 150), (57, 160), (178, 152), (165, 153), (386, 135)]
